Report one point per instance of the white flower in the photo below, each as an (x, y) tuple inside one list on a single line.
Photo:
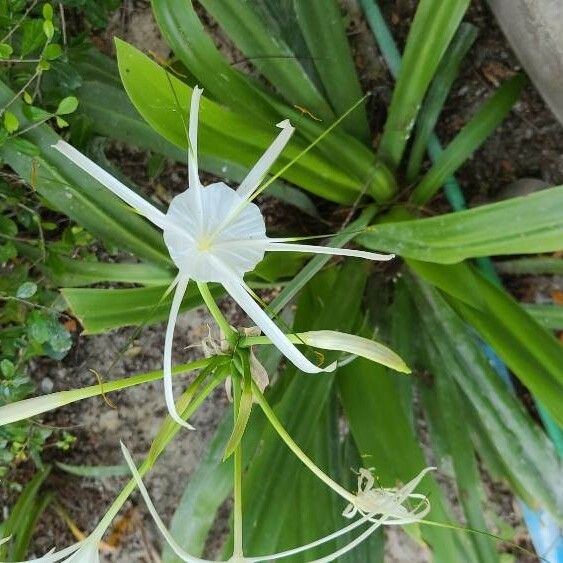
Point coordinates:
[(215, 234), (388, 503), (382, 516)]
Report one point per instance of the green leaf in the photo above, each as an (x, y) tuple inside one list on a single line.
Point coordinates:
[(519, 225), (67, 105), (11, 122), (7, 368), (549, 316), (47, 12), (5, 50), (322, 26), (100, 310), (539, 265), (33, 36), (95, 471), (8, 226), (524, 448), (222, 133), (26, 290), (205, 492), (48, 29), (71, 272), (439, 90), (529, 350), (52, 51), (469, 139), (23, 517), (36, 114), (7, 252), (445, 409), (178, 20), (255, 38), (61, 123), (433, 27)]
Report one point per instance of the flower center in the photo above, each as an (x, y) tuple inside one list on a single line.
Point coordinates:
[(205, 244), (207, 241)]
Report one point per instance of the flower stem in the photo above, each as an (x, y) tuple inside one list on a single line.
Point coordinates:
[(215, 311), (151, 458), (237, 493), (292, 445)]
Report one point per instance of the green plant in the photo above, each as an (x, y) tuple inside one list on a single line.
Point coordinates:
[(444, 298)]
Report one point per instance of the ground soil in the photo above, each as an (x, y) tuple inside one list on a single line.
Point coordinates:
[(528, 144)]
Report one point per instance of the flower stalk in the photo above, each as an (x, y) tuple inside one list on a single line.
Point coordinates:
[(237, 481)]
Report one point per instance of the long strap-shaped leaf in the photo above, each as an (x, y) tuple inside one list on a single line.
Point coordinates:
[(323, 29), (469, 138), (223, 133), (521, 225), (434, 25), (528, 349), (525, 450), (269, 53), (181, 25)]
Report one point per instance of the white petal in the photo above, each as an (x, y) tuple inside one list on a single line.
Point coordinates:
[(239, 293), (352, 344), (285, 247), (193, 175), (256, 175), (158, 521), (311, 545), (168, 340), (54, 556), (350, 546), (142, 206)]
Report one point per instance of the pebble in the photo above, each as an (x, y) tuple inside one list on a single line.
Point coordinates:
[(46, 385)]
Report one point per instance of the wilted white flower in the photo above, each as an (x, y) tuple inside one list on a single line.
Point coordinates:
[(388, 502), (385, 512), (215, 234)]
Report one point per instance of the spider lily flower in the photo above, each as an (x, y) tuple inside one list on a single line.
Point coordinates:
[(216, 234), (388, 502), (384, 514)]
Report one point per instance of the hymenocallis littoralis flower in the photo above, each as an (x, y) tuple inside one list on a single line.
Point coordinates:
[(385, 509), (216, 234)]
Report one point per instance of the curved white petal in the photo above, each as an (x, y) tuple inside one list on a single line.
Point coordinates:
[(316, 543), (259, 170), (193, 175), (285, 247), (169, 338), (158, 521), (240, 294), (68, 552), (351, 545), (133, 199)]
